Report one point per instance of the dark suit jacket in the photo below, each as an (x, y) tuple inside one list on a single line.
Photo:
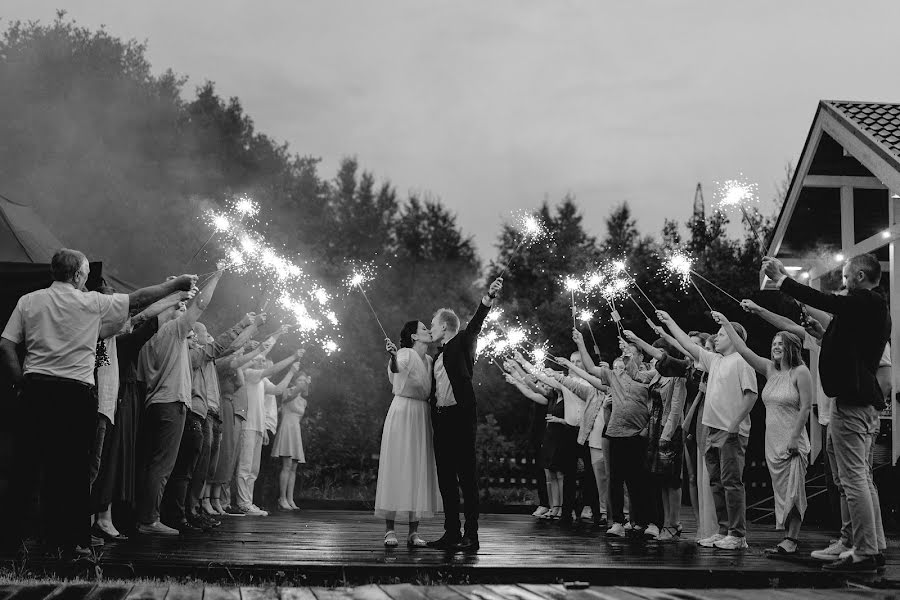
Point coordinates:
[(459, 360), (852, 344)]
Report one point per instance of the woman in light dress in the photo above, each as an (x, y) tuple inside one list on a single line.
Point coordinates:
[(288, 444), (407, 476), (705, 510), (787, 397)]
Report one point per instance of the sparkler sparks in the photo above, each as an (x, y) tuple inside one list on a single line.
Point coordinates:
[(679, 265), (572, 284), (221, 223), (736, 192), (531, 229), (246, 207), (586, 315), (330, 347)]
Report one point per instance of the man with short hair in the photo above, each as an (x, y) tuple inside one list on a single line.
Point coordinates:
[(852, 346), (165, 368), (453, 418), (731, 393), (59, 327)]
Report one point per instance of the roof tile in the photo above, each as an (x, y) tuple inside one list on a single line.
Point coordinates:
[(879, 120)]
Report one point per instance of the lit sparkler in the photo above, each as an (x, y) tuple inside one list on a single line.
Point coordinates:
[(585, 316), (679, 264), (330, 347), (571, 285), (357, 279), (246, 207), (619, 266), (531, 229), (739, 193)]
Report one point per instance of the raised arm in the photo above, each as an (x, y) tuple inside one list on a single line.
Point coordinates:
[(680, 336), (526, 391), (760, 365), (282, 385), (586, 359), (281, 365), (644, 346), (597, 382), (830, 303), (201, 300), (148, 295), (780, 322), (473, 329), (158, 307), (239, 360)]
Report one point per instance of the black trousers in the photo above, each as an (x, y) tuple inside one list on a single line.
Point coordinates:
[(454, 453), (162, 426), (57, 452), (107, 464), (178, 487), (589, 495), (627, 467)]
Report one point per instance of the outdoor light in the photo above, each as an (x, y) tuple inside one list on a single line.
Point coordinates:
[(804, 275), (886, 233), (839, 257)]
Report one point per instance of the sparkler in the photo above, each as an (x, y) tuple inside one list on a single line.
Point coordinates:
[(679, 264), (220, 223), (619, 266), (572, 284), (246, 207), (330, 347), (739, 192), (609, 293), (357, 279), (531, 229), (715, 286), (585, 317)]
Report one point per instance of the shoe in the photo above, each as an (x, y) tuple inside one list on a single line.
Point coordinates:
[(414, 540), (231, 511), (710, 542), (390, 539), (849, 565), (155, 528), (199, 522), (98, 531), (469, 543), (282, 505), (183, 526), (732, 542), (617, 530), (253, 511), (446, 542), (832, 552), (668, 534), (293, 505), (540, 511), (652, 531), (587, 514), (600, 523)]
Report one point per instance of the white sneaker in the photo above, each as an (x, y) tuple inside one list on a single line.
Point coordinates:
[(587, 514), (732, 542), (710, 542), (156, 528), (252, 511), (832, 552), (652, 531), (847, 553), (540, 511), (264, 513), (617, 530)]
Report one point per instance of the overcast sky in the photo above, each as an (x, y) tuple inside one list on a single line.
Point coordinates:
[(495, 105)]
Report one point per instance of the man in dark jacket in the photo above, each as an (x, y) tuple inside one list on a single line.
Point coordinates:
[(851, 349), (453, 418)]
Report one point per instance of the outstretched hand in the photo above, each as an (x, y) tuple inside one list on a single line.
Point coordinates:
[(773, 268), (577, 337), (719, 317), (495, 287), (390, 346)]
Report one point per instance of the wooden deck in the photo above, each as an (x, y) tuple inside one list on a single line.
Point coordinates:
[(325, 547), (411, 592)]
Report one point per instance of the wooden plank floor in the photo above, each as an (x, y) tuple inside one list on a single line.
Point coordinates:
[(333, 546), (10, 591)]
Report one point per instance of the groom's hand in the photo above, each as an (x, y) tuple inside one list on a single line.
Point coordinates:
[(495, 288)]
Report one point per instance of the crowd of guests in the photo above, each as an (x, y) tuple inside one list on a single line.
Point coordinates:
[(679, 407), (137, 409)]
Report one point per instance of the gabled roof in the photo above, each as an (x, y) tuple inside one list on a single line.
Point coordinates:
[(876, 122), (23, 236)]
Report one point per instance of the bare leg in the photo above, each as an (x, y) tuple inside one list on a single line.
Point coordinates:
[(104, 521), (284, 478), (291, 484)]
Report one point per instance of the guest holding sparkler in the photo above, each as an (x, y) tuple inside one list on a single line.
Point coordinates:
[(731, 394), (787, 396), (453, 399), (407, 487), (852, 346), (288, 444), (665, 447), (526, 384), (627, 429), (255, 377), (165, 368)]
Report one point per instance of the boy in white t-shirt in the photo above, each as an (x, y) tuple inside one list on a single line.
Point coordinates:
[(731, 392)]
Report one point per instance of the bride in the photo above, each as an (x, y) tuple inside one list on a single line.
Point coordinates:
[(407, 477)]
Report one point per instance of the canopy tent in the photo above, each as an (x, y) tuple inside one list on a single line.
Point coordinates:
[(843, 201)]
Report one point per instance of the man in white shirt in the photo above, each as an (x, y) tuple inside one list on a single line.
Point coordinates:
[(59, 327), (731, 392)]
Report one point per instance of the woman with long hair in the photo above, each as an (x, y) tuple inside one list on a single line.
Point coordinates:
[(787, 397), (288, 444), (407, 476)]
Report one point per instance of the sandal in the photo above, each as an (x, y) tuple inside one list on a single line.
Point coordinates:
[(669, 534), (414, 541), (781, 550), (552, 514), (390, 539)]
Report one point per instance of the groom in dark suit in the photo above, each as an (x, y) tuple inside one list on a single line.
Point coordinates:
[(453, 418)]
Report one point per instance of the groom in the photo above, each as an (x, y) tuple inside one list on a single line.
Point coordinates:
[(453, 418)]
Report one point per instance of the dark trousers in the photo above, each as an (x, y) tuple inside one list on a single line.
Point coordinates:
[(589, 495), (59, 448), (725, 458), (102, 429), (834, 494), (627, 468), (209, 458), (454, 453), (178, 488), (107, 464), (162, 426)]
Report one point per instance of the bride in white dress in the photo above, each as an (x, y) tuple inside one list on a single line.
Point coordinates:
[(407, 476)]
